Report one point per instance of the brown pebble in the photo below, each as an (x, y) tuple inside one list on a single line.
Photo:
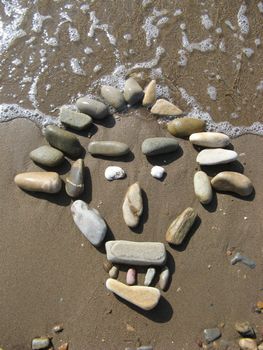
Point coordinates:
[(57, 328), (260, 304), (107, 265), (63, 346)]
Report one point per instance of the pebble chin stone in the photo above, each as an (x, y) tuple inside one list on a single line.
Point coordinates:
[(231, 181), (114, 173), (47, 156), (74, 120), (209, 139), (131, 277), (216, 156), (48, 182), (165, 108), (89, 222), (145, 298), (149, 276), (212, 334), (95, 109), (132, 207), (247, 344), (108, 148), (157, 172), (40, 343), (183, 127), (133, 93), (202, 187), (159, 145), (75, 179), (164, 277), (149, 94), (113, 96)]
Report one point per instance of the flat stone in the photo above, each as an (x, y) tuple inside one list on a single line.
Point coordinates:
[(145, 298), (131, 277), (48, 182), (95, 109), (157, 172), (40, 343), (75, 179), (132, 207), (47, 156), (216, 156), (159, 145), (245, 329), (183, 127), (74, 120), (107, 265), (164, 278), (247, 344), (113, 96), (114, 173), (114, 272), (136, 253), (64, 140), (212, 334), (149, 276), (108, 148), (179, 228), (231, 181), (133, 93), (165, 108), (89, 222), (202, 187), (209, 139), (149, 94)]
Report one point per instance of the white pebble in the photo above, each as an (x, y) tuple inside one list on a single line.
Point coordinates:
[(114, 173), (157, 172)]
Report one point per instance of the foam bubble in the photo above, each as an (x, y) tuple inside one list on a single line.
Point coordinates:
[(178, 12), (182, 58), (37, 22), (97, 68), (73, 34), (212, 93), (248, 51), (242, 19), (222, 45), (260, 6), (88, 50), (206, 22), (230, 25), (257, 42), (75, 66), (51, 41)]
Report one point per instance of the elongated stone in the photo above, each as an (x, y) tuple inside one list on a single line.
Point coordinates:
[(238, 257), (113, 96), (149, 276), (149, 94), (245, 329), (159, 145), (47, 156), (114, 272), (74, 120), (164, 278), (183, 127), (108, 148), (212, 334), (216, 156), (48, 182), (89, 222), (75, 179), (136, 253), (95, 109), (144, 297), (131, 277), (132, 207), (209, 139), (231, 181), (247, 344), (179, 228), (40, 343), (202, 187), (133, 93), (165, 108), (63, 140)]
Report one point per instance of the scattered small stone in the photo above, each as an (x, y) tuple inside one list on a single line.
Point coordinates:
[(131, 277), (260, 305), (165, 108), (48, 182), (248, 344), (47, 156), (130, 328), (114, 173), (157, 172), (202, 187), (183, 127), (212, 334), (95, 109), (114, 272), (57, 328), (144, 297), (89, 222), (245, 329), (145, 347), (40, 343), (149, 276), (74, 120), (164, 277), (108, 148), (216, 156), (209, 139), (159, 145), (113, 96), (238, 257), (132, 207), (133, 93), (231, 181), (75, 179), (64, 346), (149, 94), (107, 265)]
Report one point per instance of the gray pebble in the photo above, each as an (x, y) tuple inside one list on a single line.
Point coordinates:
[(114, 272), (95, 109), (164, 277), (108, 148), (133, 93), (47, 156), (149, 276), (74, 120), (40, 343), (212, 334), (113, 96), (159, 145)]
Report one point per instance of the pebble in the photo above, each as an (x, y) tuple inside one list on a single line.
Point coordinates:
[(216, 156), (131, 277), (202, 187), (74, 120), (90, 222), (114, 272), (132, 207), (133, 93), (95, 109), (231, 181), (113, 96), (183, 127), (164, 278), (108, 148), (238, 257), (149, 276), (159, 145), (40, 343), (157, 171), (48, 182), (145, 298), (165, 108), (57, 328), (107, 265), (136, 253), (145, 347), (75, 179), (245, 329), (47, 156), (64, 140), (247, 344), (179, 228), (212, 334), (149, 94), (63, 346), (260, 347), (209, 139), (114, 173)]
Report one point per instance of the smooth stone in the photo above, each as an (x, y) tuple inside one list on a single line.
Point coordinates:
[(48, 182), (212, 334), (89, 222), (157, 171), (114, 173), (159, 145), (231, 181), (149, 94), (113, 96), (107, 265), (47, 156), (95, 109), (245, 329), (132, 207), (40, 343), (260, 347), (133, 93), (131, 277), (202, 187), (63, 346), (238, 257), (183, 127), (165, 108), (57, 328), (74, 120), (136, 253), (247, 344), (149, 276), (114, 272), (179, 228), (64, 140), (209, 139), (145, 298), (145, 347), (164, 277), (108, 148), (75, 179), (216, 156)]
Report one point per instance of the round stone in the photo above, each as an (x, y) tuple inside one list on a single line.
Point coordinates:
[(47, 156)]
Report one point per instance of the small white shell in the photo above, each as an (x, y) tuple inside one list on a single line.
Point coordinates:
[(157, 172), (114, 173)]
